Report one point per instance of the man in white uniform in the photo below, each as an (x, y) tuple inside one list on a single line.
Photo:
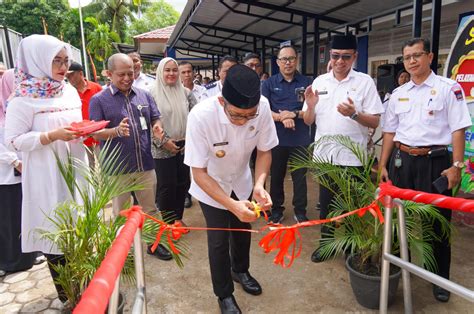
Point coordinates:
[(221, 134), (141, 80), (423, 117), (348, 105), (186, 73), (215, 88)]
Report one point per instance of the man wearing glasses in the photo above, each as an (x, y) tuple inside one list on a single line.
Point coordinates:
[(221, 134), (252, 60), (283, 91), (343, 102), (423, 117)]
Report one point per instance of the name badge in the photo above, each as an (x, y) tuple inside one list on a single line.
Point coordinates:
[(143, 123), (220, 144), (403, 99)]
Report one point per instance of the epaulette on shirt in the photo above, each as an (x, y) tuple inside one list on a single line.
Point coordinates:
[(448, 81), (150, 76), (210, 85)]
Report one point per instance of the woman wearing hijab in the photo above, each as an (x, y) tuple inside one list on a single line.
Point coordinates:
[(174, 102), (37, 124), (11, 259)]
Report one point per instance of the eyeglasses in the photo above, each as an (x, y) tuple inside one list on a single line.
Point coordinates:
[(239, 117), (344, 57), (416, 56), (287, 59), (59, 63), (253, 65)]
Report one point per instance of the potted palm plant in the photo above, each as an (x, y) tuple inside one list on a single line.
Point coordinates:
[(83, 230), (361, 238)]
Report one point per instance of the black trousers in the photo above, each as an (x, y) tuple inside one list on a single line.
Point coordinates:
[(12, 259), (418, 173), (280, 157), (173, 183), (227, 250), (55, 260)]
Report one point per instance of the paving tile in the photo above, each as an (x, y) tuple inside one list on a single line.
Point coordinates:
[(16, 277), (50, 311), (41, 274), (36, 306), (22, 286), (10, 308), (56, 304), (3, 287), (6, 298), (31, 295)]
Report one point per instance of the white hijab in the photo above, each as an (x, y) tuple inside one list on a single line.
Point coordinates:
[(36, 54), (172, 102)]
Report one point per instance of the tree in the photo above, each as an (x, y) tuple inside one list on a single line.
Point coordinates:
[(118, 13), (99, 41), (158, 15), (27, 17)]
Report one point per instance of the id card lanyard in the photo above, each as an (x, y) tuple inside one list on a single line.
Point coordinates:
[(143, 123)]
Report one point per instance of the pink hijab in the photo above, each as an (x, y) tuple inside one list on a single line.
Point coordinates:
[(7, 86)]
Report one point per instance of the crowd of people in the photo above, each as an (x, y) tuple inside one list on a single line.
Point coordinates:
[(179, 138)]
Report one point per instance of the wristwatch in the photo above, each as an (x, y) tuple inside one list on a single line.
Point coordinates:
[(297, 113), (354, 116), (459, 164)]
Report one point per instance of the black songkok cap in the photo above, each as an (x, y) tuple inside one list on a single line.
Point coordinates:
[(344, 42), (241, 87), (75, 67)]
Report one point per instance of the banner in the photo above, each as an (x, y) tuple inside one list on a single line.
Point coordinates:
[(460, 67)]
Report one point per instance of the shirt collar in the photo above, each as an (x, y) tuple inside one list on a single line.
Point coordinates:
[(280, 77), (114, 90), (430, 81), (350, 75)]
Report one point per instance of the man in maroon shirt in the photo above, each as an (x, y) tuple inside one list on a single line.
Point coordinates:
[(86, 89)]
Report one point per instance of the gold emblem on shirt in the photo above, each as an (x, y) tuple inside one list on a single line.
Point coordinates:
[(220, 153), (251, 128), (433, 92)]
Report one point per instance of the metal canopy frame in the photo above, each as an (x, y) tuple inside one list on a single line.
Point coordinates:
[(287, 21)]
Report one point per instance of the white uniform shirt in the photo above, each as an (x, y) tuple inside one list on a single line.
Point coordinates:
[(213, 89), (210, 134), (427, 114), (198, 92), (361, 89), (144, 81)]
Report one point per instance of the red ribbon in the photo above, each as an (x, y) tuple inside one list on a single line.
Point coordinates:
[(374, 209), (283, 239), (128, 212)]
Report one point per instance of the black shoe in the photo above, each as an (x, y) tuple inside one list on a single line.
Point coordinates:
[(188, 202), (300, 218), (228, 305), (317, 257), (249, 283), (276, 218), (161, 252), (441, 294)]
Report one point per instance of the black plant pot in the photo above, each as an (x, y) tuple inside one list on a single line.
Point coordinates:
[(366, 288)]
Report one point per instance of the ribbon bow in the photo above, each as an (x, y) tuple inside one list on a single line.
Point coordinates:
[(374, 209), (127, 213), (282, 239), (174, 232)]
